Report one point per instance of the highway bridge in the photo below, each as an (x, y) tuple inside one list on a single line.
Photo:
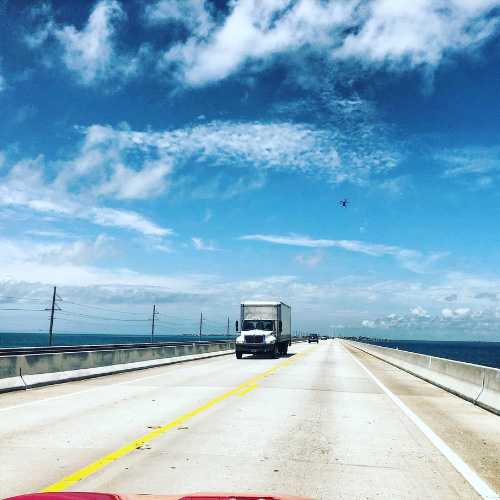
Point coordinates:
[(327, 421)]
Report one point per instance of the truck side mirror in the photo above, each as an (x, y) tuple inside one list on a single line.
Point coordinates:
[(281, 326), (236, 325)]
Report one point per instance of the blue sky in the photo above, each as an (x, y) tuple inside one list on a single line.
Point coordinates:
[(193, 154)]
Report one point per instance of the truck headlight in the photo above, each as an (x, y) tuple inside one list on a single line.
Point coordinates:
[(270, 340)]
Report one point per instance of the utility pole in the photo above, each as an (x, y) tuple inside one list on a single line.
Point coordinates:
[(52, 314), (201, 323), (153, 326), (227, 336)]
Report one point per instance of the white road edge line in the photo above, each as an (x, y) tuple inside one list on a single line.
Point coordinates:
[(104, 386), (475, 481)]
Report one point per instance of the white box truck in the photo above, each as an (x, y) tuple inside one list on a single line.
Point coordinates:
[(265, 328)]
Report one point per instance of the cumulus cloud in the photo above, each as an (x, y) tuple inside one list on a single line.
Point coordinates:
[(410, 259), (90, 53), (456, 323), (204, 45), (398, 36), (408, 34), (418, 311)]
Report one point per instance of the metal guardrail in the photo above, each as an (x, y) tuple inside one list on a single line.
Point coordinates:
[(21, 351)]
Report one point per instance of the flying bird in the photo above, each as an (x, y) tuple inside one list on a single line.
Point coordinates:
[(344, 203)]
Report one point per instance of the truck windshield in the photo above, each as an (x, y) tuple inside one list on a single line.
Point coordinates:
[(258, 325)]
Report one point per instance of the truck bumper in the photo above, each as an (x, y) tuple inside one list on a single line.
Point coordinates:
[(254, 348)]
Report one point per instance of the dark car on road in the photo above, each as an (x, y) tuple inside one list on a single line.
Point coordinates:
[(313, 338)]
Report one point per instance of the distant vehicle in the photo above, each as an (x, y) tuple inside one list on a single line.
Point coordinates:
[(344, 203), (265, 328), (313, 338), (324, 337)]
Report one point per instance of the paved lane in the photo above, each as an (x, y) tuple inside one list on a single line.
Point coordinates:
[(314, 425)]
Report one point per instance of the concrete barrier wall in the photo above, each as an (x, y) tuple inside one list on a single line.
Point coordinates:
[(478, 384), (32, 370)]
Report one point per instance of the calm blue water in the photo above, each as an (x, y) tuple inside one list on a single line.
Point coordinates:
[(41, 339), (477, 353)]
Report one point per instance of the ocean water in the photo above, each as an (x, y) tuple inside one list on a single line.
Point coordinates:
[(477, 353), (42, 339)]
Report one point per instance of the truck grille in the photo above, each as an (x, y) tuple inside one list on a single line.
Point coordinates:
[(254, 339)]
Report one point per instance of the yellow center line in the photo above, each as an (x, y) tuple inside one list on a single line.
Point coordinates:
[(86, 471), (248, 389)]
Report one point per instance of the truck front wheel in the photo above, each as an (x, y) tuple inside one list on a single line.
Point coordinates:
[(274, 352), (239, 354)]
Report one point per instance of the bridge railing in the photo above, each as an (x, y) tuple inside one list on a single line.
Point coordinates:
[(22, 371)]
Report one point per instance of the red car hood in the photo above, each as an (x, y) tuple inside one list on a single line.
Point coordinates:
[(190, 496)]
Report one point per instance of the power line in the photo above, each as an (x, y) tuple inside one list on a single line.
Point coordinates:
[(175, 317), (100, 308), (176, 324), (21, 309), (89, 316), (21, 298)]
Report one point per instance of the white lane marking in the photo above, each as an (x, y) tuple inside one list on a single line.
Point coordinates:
[(104, 386), (475, 481)]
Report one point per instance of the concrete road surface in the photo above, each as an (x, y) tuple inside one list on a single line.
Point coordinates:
[(314, 423)]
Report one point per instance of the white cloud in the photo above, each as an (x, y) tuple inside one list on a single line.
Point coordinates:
[(189, 13), (462, 311), (410, 259), (91, 53), (395, 186), (396, 35), (200, 245), (310, 260), (126, 183), (256, 31), (50, 234), (479, 163), (135, 165), (457, 324), (127, 220), (77, 253), (407, 34), (24, 187), (418, 311)]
